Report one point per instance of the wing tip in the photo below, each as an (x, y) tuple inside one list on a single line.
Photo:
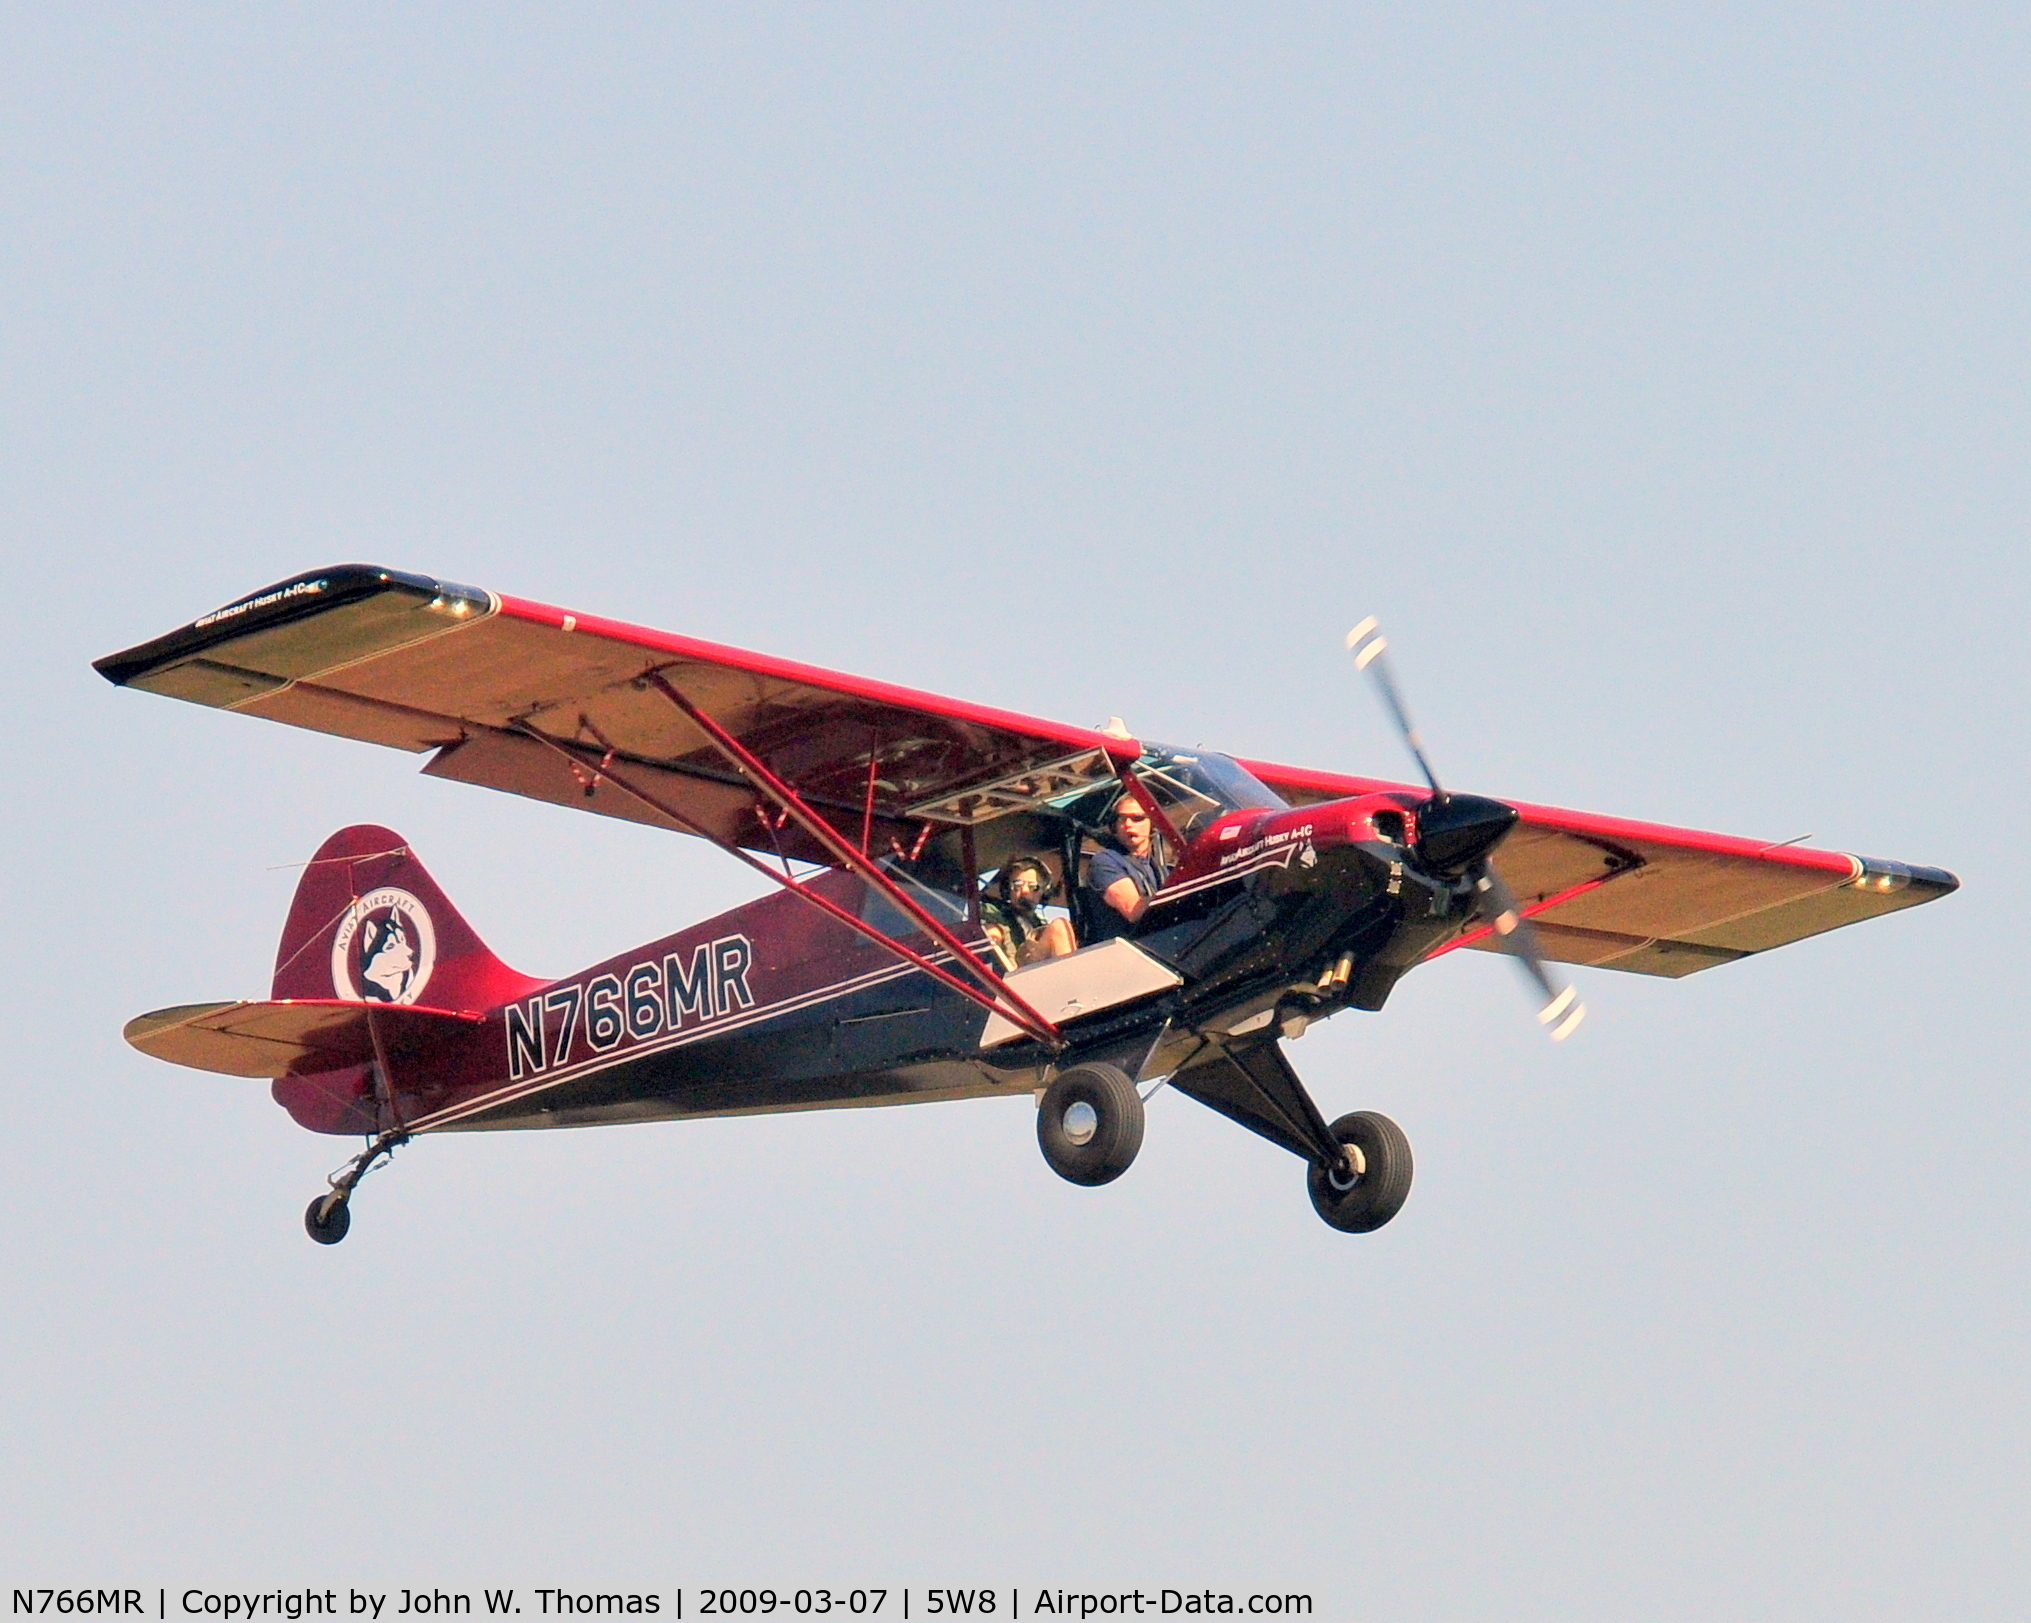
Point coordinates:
[(299, 597), (1879, 876), (143, 1026)]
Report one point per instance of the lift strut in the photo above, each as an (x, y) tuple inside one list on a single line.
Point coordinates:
[(991, 995)]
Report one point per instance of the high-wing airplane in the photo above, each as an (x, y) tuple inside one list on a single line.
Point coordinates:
[(883, 971)]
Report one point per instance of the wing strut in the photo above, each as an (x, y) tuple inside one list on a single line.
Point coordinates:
[(993, 994), (1001, 1002)]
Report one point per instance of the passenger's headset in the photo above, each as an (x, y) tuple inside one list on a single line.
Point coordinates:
[(1005, 880)]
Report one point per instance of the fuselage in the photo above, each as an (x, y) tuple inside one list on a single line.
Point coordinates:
[(1273, 914)]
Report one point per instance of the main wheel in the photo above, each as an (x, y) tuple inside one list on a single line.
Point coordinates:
[(1090, 1124), (327, 1228), (1380, 1183)]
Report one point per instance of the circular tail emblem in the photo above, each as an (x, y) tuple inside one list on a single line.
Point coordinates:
[(384, 950)]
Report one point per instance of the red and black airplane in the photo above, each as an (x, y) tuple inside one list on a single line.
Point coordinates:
[(869, 979)]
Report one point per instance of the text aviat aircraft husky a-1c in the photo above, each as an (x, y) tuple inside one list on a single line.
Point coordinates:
[(875, 977)]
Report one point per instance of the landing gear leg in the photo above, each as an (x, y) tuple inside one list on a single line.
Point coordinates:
[(329, 1217), (1360, 1165)]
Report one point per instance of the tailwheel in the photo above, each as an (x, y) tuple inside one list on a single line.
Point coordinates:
[(327, 1219), (1362, 1196), (1089, 1124)]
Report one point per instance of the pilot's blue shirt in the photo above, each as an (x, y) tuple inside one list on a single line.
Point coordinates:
[(1105, 868)]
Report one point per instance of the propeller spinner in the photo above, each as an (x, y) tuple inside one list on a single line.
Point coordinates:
[(1456, 836)]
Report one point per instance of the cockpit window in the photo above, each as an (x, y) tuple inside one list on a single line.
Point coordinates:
[(1194, 788), (949, 909), (1197, 786)]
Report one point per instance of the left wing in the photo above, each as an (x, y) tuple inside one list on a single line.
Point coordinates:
[(520, 696), (1619, 894)]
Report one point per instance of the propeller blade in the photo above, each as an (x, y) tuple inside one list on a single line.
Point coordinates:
[(1367, 644), (1461, 828), (1562, 1010)]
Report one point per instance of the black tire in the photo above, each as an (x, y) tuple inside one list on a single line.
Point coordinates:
[(1381, 1186), (327, 1228), (1095, 1152)]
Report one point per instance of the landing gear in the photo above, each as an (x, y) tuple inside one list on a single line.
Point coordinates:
[(1371, 1189), (328, 1218), (1089, 1124)]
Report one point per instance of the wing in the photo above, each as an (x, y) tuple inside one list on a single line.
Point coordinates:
[(1658, 900), (298, 1037), (566, 708)]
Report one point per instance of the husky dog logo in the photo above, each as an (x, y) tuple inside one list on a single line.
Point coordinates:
[(384, 950)]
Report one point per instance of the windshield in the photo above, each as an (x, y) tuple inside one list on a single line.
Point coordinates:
[(1197, 786), (1194, 787)]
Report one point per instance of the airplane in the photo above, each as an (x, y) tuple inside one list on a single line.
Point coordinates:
[(876, 974)]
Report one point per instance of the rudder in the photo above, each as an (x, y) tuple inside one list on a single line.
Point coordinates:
[(369, 924)]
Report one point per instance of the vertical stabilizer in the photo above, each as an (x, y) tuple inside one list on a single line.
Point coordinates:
[(370, 925)]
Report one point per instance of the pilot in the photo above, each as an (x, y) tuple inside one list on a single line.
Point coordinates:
[(1124, 880), (1016, 926)]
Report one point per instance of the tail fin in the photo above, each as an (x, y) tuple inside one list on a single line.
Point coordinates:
[(370, 925)]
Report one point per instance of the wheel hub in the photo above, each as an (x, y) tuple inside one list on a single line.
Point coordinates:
[(1345, 1177), (1081, 1122)]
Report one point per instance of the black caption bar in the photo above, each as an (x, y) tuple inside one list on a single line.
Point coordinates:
[(867, 1602)]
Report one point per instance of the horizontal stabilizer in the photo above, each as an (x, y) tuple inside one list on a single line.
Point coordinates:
[(297, 1037), (1084, 982)]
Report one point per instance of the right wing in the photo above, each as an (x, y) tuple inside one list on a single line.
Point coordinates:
[(532, 699)]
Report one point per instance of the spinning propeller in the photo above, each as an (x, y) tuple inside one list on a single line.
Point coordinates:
[(1457, 833)]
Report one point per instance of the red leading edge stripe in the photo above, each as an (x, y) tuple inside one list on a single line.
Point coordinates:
[(666, 643), (1571, 822)]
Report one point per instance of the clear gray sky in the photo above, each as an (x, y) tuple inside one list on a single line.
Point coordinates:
[(1658, 375)]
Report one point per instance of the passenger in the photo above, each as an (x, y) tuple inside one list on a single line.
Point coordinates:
[(1123, 881), (1016, 926)]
